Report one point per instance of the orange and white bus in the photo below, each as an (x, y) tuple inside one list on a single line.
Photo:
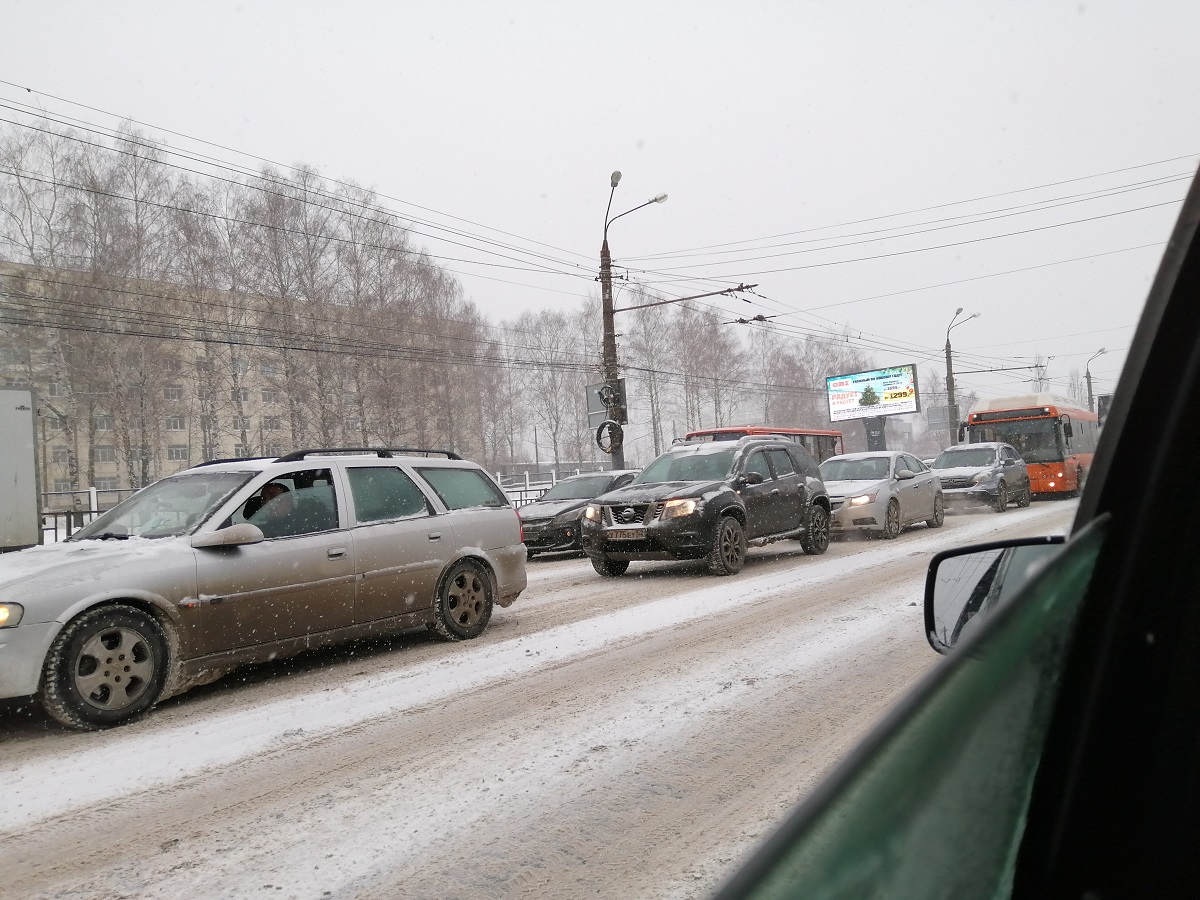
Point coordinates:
[(1056, 437), (820, 444)]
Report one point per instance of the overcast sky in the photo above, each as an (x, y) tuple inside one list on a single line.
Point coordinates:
[(770, 125)]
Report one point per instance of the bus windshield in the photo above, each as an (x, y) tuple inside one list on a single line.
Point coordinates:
[(1037, 440)]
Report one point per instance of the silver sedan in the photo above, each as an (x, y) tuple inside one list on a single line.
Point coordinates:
[(882, 492)]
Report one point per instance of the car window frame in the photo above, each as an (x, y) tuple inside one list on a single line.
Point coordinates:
[(355, 522)]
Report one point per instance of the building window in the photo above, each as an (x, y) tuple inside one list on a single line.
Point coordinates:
[(103, 423), (242, 450), (268, 370), (274, 448), (104, 454), (239, 395), (241, 423), (269, 396), (212, 451), (353, 424), (62, 485), (62, 455), (177, 452), (54, 422), (176, 423), (171, 364), (240, 367), (107, 483), (204, 364), (173, 392), (54, 389), (208, 423), (271, 423)]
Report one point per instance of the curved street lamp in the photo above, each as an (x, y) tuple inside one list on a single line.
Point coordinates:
[(1088, 370), (614, 402), (951, 403)]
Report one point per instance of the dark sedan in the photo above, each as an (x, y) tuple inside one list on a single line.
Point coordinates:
[(552, 521)]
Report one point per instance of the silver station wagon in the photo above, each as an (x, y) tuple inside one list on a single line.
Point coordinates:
[(240, 561)]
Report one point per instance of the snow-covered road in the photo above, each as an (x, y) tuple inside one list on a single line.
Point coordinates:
[(628, 737)]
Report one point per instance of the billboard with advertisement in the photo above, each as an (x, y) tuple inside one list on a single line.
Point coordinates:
[(879, 392)]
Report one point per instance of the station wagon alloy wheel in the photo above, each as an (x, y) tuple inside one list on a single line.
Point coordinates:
[(465, 602), (107, 666)]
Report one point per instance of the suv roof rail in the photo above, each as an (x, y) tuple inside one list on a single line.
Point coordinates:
[(228, 459), (382, 452)]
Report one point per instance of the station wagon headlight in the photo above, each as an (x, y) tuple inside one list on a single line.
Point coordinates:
[(592, 513), (863, 499), (10, 614), (674, 509)]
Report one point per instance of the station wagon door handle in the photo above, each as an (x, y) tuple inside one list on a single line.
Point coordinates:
[(435, 535), (336, 553)]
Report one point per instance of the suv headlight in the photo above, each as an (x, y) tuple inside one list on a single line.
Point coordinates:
[(566, 518), (674, 509), (864, 499), (10, 614), (982, 477), (592, 513)]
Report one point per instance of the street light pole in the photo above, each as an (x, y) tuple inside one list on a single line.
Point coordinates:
[(612, 373), (951, 404), (1088, 370)]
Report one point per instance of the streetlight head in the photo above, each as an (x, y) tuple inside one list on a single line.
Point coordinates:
[(974, 315), (615, 179), (1102, 351), (958, 312), (661, 198)]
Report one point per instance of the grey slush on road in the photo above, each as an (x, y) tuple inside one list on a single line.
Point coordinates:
[(242, 561)]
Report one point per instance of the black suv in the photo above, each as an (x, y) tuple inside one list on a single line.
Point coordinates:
[(706, 499)]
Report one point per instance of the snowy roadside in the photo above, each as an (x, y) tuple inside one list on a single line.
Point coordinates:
[(45, 787)]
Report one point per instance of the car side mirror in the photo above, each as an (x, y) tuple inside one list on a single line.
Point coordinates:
[(233, 536), (1009, 462), (751, 478), (906, 474), (966, 584)]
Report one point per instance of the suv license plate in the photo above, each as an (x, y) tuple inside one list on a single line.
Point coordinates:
[(626, 534)]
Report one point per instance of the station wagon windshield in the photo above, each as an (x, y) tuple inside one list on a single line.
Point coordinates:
[(167, 508)]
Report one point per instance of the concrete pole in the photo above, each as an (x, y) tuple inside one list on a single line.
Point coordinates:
[(611, 371), (951, 404)]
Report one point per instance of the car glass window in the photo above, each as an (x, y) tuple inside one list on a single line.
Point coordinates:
[(901, 465), (757, 462), (381, 493), (973, 457), (870, 469), (690, 464), (914, 464), (172, 506), (622, 481), (578, 488), (922, 791), (781, 462), (293, 504), (463, 488)]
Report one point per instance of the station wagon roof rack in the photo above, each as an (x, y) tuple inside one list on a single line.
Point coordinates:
[(229, 459), (382, 452)]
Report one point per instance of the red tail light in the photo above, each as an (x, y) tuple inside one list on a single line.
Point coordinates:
[(520, 525)]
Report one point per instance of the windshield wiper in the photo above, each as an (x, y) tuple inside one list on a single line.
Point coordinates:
[(106, 536)]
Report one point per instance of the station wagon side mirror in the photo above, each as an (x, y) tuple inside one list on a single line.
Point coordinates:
[(965, 584), (751, 478), (905, 474), (233, 536)]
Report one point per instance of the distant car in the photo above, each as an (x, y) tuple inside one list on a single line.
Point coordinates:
[(710, 500), (985, 474), (552, 521), (882, 492), (247, 560)]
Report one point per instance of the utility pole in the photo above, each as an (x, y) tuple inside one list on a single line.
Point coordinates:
[(1088, 371), (951, 404), (609, 358), (614, 402)]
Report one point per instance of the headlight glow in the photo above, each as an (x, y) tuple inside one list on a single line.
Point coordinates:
[(674, 509), (981, 477), (10, 614), (863, 499), (592, 513)]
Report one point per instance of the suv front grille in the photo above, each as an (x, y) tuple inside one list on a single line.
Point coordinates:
[(627, 514)]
